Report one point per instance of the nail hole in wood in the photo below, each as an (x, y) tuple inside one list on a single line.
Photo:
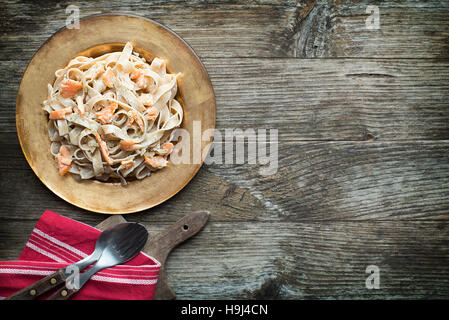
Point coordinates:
[(185, 227)]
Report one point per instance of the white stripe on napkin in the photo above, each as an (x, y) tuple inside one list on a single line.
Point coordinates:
[(43, 252), (60, 243), (95, 277)]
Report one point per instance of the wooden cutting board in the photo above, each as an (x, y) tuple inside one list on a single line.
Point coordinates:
[(161, 244)]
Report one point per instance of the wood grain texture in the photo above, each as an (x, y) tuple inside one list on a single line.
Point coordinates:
[(334, 99), (161, 244), (363, 171), (408, 29), (221, 28), (316, 99), (351, 181), (315, 261), (284, 260), (315, 181), (304, 29)]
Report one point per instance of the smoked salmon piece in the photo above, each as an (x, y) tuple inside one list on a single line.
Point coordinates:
[(133, 75), (135, 117), (139, 78), (152, 113), (165, 149), (80, 105), (108, 78), (64, 160), (127, 163), (156, 162), (70, 87), (168, 146), (59, 114), (104, 149), (129, 145), (105, 115)]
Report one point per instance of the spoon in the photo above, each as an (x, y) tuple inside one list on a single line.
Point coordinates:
[(124, 235), (127, 243)]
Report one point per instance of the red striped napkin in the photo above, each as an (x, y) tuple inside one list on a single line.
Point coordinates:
[(56, 242)]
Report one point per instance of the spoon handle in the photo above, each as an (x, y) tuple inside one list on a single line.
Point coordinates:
[(40, 287)]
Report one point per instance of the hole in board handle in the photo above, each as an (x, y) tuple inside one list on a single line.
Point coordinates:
[(185, 227)]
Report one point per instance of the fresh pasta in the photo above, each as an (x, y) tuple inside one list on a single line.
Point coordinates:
[(111, 117)]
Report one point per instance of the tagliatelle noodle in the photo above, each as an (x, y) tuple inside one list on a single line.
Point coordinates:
[(116, 100)]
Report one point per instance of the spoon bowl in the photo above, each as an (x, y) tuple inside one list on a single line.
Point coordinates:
[(123, 243)]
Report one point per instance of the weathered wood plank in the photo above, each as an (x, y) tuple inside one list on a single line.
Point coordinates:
[(298, 260), (334, 99), (313, 182), (225, 29), (350, 181), (408, 29), (313, 261), (314, 99)]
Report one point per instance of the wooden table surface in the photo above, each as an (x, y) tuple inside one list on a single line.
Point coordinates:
[(363, 122)]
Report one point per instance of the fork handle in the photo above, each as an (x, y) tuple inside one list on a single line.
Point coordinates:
[(63, 293), (66, 291), (40, 287)]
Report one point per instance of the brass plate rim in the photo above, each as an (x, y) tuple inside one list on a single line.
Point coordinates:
[(139, 208)]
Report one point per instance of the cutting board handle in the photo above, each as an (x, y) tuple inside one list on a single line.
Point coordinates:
[(161, 244)]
